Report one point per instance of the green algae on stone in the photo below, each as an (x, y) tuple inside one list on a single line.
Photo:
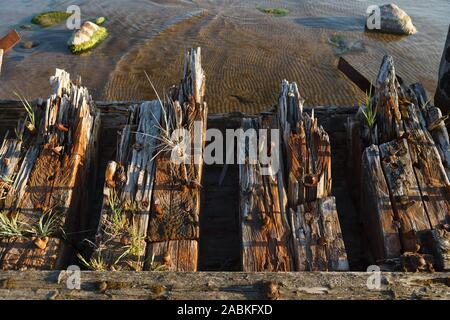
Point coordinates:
[(276, 11), (50, 18), (100, 20), (98, 36)]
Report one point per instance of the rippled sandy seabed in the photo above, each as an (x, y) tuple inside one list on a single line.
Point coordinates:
[(246, 53)]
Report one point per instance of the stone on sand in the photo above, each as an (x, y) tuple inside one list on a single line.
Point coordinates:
[(87, 37), (394, 20)]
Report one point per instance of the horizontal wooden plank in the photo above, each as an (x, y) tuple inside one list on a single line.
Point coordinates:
[(224, 286)]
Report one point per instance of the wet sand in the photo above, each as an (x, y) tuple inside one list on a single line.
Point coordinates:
[(246, 53)]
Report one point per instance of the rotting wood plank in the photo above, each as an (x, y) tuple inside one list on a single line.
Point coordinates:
[(49, 178), (157, 199), (317, 236), (9, 40), (435, 124), (387, 104), (318, 243), (172, 255), (356, 77), (174, 220), (379, 219), (224, 286), (413, 163), (266, 242), (430, 173), (436, 242), (405, 193), (120, 239), (176, 205)]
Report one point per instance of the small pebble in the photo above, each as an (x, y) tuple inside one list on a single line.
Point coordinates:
[(26, 27), (29, 44)]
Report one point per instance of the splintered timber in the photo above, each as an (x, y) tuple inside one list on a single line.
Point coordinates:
[(290, 212)]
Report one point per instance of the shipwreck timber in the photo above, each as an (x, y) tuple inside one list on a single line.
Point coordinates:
[(44, 177), (403, 174), (142, 212)]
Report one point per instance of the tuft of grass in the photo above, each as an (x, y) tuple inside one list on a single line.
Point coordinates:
[(98, 36), (370, 110), (50, 18), (156, 266), (137, 242), (6, 180), (116, 222), (94, 263), (18, 130), (135, 250), (425, 105), (167, 143), (31, 118), (47, 226), (276, 11), (11, 226)]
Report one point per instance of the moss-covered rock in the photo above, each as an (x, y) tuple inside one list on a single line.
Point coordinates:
[(276, 11), (87, 37), (50, 18), (100, 20), (343, 45)]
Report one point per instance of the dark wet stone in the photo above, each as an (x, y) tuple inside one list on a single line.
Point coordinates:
[(26, 27)]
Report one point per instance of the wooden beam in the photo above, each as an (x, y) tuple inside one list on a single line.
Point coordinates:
[(172, 255), (120, 239), (174, 222), (405, 193), (317, 238), (216, 285), (379, 220), (9, 40), (429, 171), (318, 242), (355, 76), (435, 124), (266, 242), (389, 125), (48, 177)]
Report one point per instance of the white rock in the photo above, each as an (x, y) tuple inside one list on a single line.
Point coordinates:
[(396, 21), (85, 33)]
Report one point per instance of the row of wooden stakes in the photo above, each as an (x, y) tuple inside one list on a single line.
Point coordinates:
[(151, 205)]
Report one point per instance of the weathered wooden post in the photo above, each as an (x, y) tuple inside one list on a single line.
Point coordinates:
[(151, 206), (43, 178), (404, 172)]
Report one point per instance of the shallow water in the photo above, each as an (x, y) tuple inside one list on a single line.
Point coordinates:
[(246, 53)]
